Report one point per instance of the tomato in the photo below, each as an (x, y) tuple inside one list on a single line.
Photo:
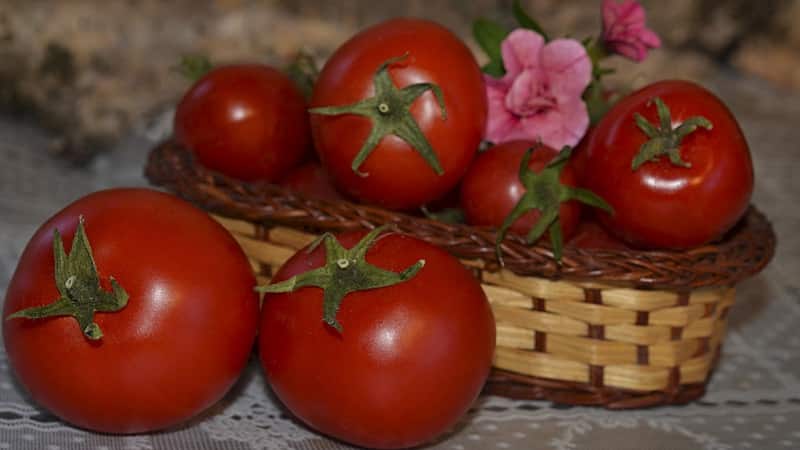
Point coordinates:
[(492, 187), (311, 180), (591, 235), (245, 121), (172, 351), (682, 198), (409, 360), (396, 175)]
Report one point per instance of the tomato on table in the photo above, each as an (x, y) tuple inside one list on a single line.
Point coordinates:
[(164, 312), (391, 366), (399, 112), (247, 121), (673, 162)]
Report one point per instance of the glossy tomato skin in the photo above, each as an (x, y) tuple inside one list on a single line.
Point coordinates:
[(409, 362), (311, 180), (661, 205), (245, 121), (491, 188), (399, 178), (173, 351)]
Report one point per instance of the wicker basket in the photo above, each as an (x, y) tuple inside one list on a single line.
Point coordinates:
[(617, 328)]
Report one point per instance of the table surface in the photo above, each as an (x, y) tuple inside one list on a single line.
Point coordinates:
[(753, 400)]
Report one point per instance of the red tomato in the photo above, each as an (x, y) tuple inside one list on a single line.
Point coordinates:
[(491, 188), (176, 347), (398, 177), (312, 180), (590, 235), (578, 159), (661, 204), (409, 361), (246, 121)]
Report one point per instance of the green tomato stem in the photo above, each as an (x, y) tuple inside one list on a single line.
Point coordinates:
[(345, 271), (79, 285), (389, 112)]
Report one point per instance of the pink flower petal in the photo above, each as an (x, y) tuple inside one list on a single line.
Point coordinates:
[(624, 30), (559, 127), (500, 120), (568, 66), (520, 50), (650, 39)]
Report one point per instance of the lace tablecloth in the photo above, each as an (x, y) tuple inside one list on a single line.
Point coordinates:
[(753, 399)]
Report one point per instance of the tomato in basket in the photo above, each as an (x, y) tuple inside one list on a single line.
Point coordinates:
[(313, 181), (130, 311), (673, 162), (527, 188), (246, 121), (394, 349), (398, 113)]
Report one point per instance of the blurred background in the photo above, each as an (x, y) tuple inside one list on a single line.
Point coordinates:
[(91, 72)]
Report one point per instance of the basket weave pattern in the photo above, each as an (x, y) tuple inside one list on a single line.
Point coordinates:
[(617, 328)]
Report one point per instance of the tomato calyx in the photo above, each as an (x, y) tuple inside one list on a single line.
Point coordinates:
[(388, 110), (79, 285), (545, 192), (664, 139), (345, 271)]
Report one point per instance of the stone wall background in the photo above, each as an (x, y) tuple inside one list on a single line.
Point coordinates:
[(91, 71)]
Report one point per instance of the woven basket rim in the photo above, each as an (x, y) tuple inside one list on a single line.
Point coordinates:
[(743, 252)]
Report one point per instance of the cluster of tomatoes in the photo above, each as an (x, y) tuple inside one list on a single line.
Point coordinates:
[(396, 119), (381, 340)]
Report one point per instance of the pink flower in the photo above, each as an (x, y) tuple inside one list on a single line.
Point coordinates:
[(539, 97), (624, 31)]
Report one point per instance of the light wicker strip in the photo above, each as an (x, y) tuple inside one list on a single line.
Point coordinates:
[(540, 365)]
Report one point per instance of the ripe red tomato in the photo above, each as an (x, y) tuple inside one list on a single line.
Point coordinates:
[(246, 121), (666, 204), (410, 358), (591, 235), (491, 188), (176, 347), (312, 180), (395, 175)]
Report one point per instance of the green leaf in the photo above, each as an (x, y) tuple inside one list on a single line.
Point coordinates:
[(526, 21), (494, 69), (194, 67), (304, 72), (447, 215), (489, 35)]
